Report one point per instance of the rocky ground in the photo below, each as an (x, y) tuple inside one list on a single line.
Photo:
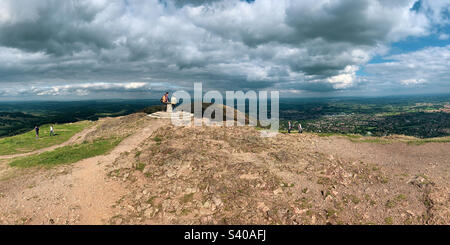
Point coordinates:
[(219, 175), (161, 174)]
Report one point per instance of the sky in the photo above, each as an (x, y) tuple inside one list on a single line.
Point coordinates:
[(132, 49)]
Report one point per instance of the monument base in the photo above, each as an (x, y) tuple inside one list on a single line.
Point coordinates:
[(169, 115)]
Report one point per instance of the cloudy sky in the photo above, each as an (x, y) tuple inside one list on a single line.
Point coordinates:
[(84, 49)]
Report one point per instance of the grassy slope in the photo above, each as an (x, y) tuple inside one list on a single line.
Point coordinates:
[(67, 154), (107, 135), (27, 142)]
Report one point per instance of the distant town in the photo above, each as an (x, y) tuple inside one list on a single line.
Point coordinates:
[(376, 117)]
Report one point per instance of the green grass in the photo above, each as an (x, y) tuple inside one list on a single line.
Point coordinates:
[(374, 140), (27, 142), (111, 114), (378, 140), (67, 154), (187, 198), (423, 141), (351, 136), (388, 221), (140, 166), (417, 141), (383, 141)]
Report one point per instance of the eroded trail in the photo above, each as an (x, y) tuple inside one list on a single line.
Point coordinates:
[(79, 193)]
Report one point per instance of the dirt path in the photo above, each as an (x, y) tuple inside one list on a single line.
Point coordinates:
[(77, 194), (76, 138)]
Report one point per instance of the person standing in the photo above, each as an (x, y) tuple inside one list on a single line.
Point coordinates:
[(300, 129), (36, 128), (289, 127), (51, 131), (165, 100)]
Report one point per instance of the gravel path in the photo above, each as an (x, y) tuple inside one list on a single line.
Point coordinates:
[(80, 193)]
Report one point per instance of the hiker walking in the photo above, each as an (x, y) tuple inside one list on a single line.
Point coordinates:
[(36, 128), (51, 131), (300, 129), (289, 127)]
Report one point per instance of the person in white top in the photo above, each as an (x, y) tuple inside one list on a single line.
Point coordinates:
[(51, 131)]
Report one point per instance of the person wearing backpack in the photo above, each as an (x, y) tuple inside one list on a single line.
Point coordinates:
[(165, 100)]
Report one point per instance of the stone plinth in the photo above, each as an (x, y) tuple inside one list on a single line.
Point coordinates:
[(169, 115)]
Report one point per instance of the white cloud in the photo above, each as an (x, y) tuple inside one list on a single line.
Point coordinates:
[(413, 81), (314, 45), (437, 11), (345, 79), (427, 67), (444, 36), (84, 89)]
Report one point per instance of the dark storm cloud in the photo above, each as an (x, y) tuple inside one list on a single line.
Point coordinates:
[(309, 45), (56, 27)]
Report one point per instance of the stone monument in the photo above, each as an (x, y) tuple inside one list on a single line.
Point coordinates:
[(170, 113)]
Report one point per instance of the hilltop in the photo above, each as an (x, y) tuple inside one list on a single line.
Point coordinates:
[(151, 172)]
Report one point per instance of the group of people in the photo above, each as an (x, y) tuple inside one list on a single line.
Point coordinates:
[(36, 129), (291, 126)]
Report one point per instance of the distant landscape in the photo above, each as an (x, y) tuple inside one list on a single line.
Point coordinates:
[(419, 116), (20, 117)]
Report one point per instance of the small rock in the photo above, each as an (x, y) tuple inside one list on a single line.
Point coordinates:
[(299, 211), (262, 206), (149, 213), (190, 190), (146, 169), (217, 201), (207, 204), (278, 191), (170, 173), (130, 207), (418, 181)]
